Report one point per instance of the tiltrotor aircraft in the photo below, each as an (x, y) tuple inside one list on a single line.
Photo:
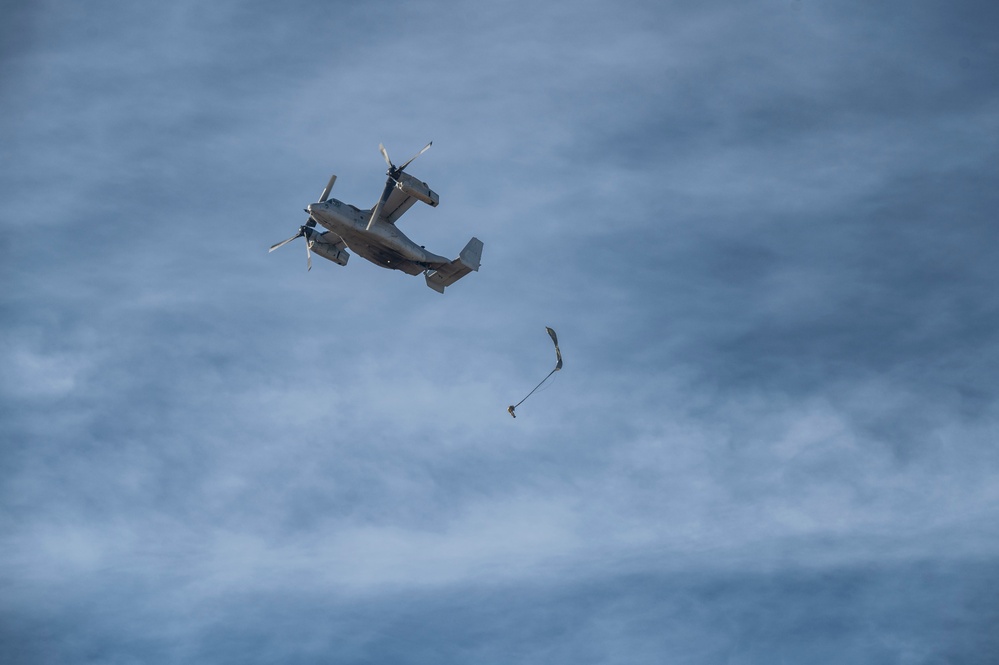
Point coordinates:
[(373, 234)]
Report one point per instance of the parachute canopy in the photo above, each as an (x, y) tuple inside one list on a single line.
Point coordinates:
[(558, 354)]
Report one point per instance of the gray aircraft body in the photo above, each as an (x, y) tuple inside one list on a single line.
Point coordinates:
[(373, 235)]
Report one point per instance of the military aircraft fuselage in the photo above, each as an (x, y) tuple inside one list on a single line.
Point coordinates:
[(372, 234), (383, 244)]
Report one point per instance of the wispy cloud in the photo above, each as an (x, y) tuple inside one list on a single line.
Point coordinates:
[(762, 233)]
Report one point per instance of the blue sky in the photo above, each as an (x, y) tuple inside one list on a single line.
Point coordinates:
[(765, 235)]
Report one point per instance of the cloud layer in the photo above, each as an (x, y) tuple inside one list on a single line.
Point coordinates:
[(763, 235)]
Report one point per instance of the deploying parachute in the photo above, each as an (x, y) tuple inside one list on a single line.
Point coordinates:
[(558, 366)]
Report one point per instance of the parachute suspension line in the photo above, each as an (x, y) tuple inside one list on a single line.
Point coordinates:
[(535, 388), (548, 384)]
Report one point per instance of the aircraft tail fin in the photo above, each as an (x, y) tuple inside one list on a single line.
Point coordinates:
[(449, 273)]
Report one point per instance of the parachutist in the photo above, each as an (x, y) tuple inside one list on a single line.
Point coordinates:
[(558, 366)]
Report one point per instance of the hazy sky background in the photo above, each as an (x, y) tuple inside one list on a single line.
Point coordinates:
[(766, 234)]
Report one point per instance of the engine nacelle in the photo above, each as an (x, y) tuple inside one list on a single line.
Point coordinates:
[(417, 189), (328, 250)]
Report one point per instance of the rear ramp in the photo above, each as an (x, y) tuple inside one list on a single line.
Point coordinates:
[(450, 273)]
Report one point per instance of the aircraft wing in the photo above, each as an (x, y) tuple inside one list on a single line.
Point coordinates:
[(398, 203), (404, 192)]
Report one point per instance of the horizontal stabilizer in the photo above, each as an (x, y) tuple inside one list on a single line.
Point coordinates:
[(450, 273)]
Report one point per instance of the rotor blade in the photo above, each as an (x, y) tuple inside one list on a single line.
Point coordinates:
[(326, 192), (425, 148), (389, 186), (285, 242), (385, 155), (308, 254)]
